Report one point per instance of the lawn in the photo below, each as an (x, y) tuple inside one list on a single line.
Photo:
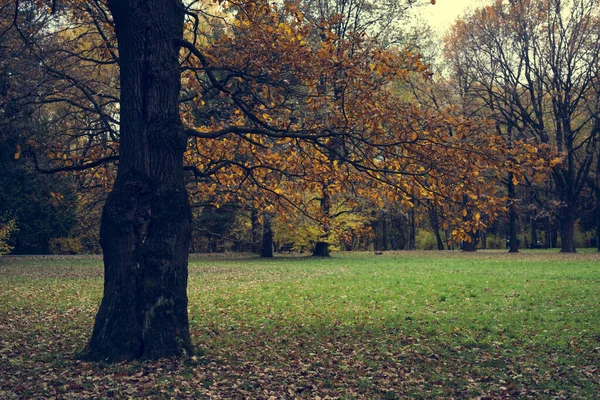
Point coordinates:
[(392, 326)]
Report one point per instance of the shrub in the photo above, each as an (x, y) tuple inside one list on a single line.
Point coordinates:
[(65, 246), (425, 240), (6, 229), (496, 242)]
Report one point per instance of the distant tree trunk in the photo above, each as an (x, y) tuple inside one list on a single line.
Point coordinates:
[(534, 237), (398, 220), (469, 246), (146, 221), (554, 231), (435, 225), (375, 223), (267, 237), (322, 246), (512, 217), (411, 244), (321, 250), (256, 237), (449, 240)]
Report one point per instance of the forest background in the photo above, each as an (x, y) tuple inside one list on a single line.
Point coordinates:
[(496, 136)]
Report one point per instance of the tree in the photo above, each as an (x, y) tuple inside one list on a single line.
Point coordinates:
[(41, 207), (535, 65)]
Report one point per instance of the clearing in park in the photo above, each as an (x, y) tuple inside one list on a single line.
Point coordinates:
[(398, 325)]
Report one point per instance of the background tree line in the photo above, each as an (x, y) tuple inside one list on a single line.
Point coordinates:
[(530, 67)]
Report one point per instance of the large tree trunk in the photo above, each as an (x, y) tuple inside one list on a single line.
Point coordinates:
[(534, 237), (146, 221), (512, 217), (567, 230)]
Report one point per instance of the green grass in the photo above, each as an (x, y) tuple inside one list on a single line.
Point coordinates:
[(406, 324)]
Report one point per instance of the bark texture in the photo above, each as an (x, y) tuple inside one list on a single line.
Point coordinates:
[(567, 230), (267, 237), (146, 222), (435, 226)]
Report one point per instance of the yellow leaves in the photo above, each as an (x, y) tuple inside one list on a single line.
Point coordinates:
[(555, 161), (56, 198), (18, 153), (515, 181), (6, 228)]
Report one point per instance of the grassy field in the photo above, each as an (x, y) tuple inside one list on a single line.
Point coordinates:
[(392, 326)]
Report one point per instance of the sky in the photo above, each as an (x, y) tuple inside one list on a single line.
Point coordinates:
[(443, 14)]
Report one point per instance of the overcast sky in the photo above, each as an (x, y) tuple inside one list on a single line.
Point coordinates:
[(441, 15)]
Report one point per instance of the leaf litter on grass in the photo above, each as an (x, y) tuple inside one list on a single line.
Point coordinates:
[(323, 329)]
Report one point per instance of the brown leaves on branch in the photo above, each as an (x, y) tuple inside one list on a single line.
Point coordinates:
[(278, 107), (304, 108)]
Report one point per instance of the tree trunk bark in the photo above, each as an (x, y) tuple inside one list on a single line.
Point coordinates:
[(534, 236), (146, 221), (267, 238), (411, 244), (567, 230), (256, 249), (435, 225), (322, 246), (548, 234), (512, 217), (483, 239)]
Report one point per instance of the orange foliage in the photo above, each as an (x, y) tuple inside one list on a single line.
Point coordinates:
[(282, 113)]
